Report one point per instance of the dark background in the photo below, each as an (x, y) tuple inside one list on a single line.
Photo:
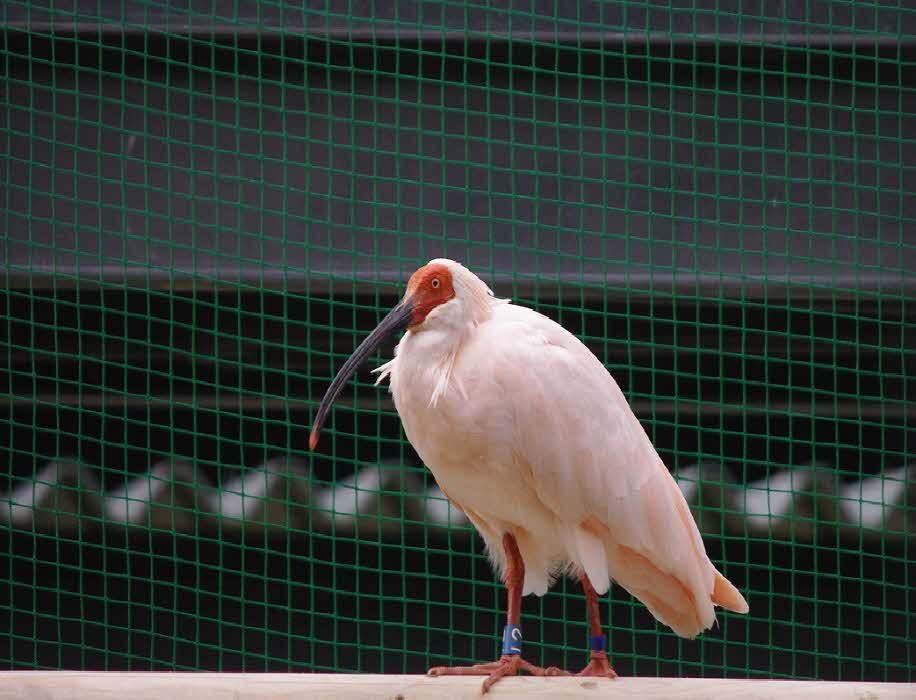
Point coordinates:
[(203, 212)]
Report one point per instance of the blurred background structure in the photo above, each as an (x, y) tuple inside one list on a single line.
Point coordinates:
[(205, 205)]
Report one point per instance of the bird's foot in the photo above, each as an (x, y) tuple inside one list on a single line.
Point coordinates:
[(598, 666), (507, 665)]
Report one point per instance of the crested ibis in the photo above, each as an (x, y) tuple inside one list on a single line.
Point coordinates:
[(529, 435)]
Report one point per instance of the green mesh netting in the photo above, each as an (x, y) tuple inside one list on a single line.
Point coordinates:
[(205, 208)]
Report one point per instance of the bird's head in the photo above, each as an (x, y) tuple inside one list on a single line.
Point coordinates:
[(428, 288), (441, 293)]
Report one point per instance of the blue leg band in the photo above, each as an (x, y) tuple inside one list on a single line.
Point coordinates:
[(512, 640), (598, 643)]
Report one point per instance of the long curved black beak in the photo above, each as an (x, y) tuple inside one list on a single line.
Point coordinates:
[(396, 320)]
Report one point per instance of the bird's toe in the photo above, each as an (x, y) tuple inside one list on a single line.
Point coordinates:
[(477, 670), (508, 665), (556, 671)]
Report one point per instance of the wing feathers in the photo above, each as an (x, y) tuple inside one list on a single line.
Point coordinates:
[(591, 463), (669, 598)]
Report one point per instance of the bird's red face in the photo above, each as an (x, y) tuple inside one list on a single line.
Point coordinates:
[(428, 287)]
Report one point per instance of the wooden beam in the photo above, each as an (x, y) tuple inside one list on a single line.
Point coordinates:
[(111, 685)]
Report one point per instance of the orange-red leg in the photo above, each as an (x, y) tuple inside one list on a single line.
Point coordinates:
[(508, 664), (598, 664)]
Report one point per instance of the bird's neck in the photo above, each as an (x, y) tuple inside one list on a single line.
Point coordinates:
[(425, 358), (434, 346), (426, 355)]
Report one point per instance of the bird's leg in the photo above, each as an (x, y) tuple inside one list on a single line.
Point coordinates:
[(598, 664), (511, 661)]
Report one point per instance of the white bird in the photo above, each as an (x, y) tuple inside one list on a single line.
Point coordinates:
[(529, 435)]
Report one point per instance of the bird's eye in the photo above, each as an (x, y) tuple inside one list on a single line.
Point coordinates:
[(435, 283)]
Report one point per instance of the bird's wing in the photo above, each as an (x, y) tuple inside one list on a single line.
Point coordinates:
[(591, 463)]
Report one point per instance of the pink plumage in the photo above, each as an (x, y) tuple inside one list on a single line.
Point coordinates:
[(527, 433)]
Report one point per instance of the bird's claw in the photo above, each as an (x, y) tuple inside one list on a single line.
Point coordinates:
[(507, 665)]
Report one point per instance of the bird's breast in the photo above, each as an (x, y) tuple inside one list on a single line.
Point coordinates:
[(431, 416), (466, 444)]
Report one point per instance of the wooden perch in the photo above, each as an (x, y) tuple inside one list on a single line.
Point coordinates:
[(111, 685)]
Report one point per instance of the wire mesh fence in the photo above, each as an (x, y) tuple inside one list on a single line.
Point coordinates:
[(205, 207)]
